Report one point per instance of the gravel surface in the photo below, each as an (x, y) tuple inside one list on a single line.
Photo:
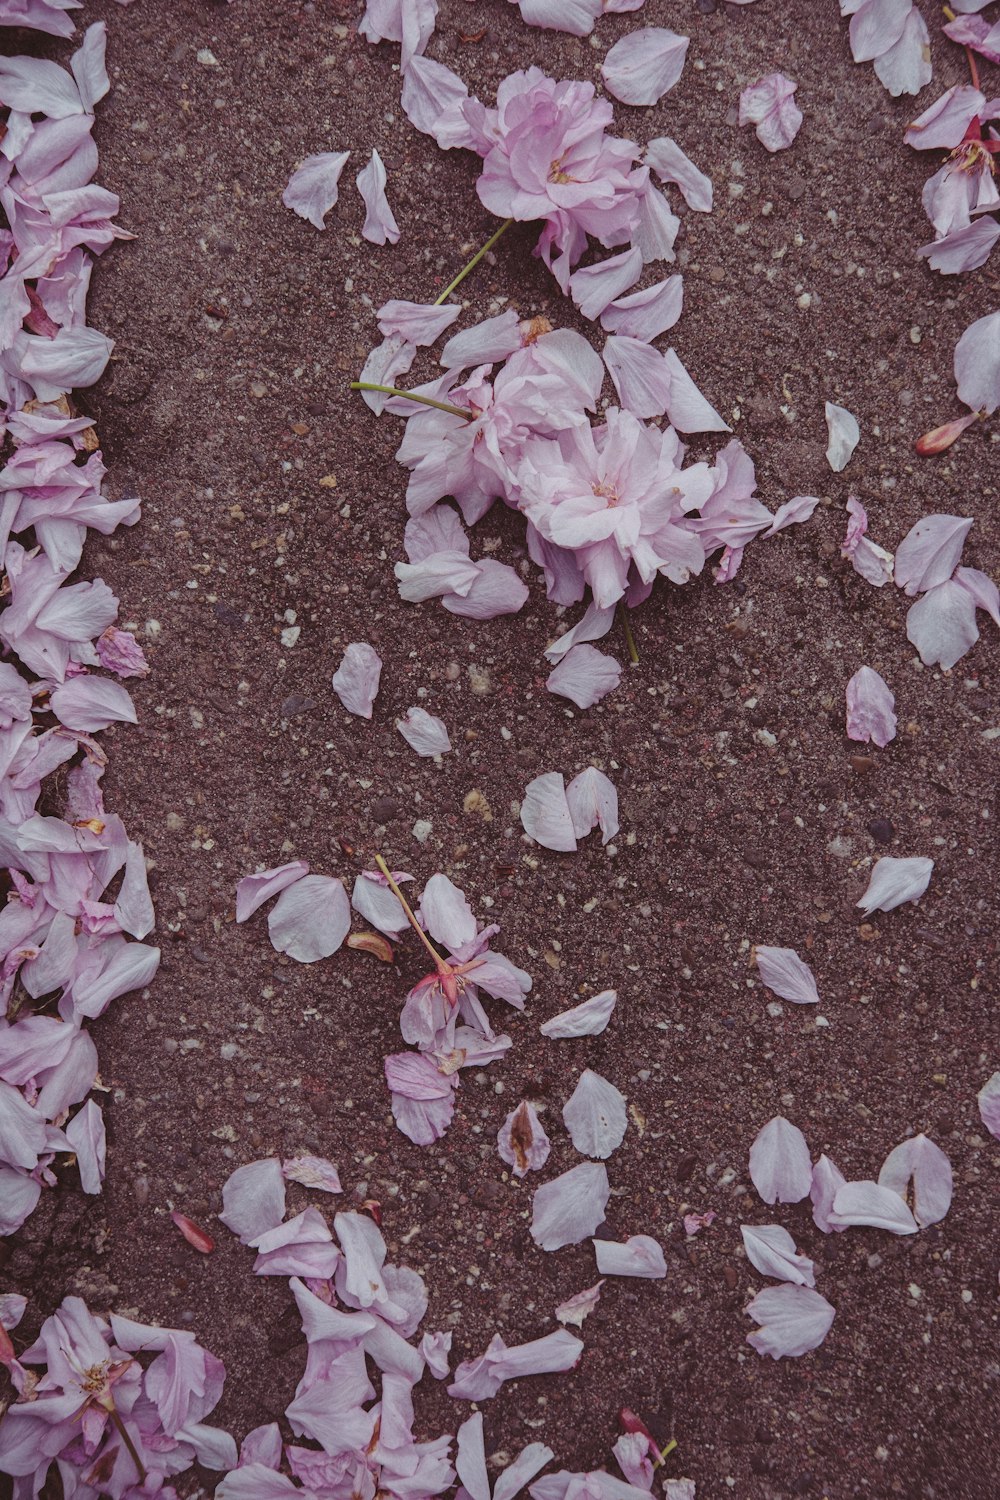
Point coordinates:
[(273, 514)]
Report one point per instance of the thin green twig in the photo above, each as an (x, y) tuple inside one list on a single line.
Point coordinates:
[(392, 390), (473, 263)]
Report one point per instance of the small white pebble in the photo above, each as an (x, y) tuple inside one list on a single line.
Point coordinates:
[(422, 830), (207, 58), (290, 635)]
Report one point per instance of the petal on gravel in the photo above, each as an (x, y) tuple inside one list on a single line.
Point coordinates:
[(844, 436), (545, 813), (870, 708), (783, 971), (595, 1116), (988, 1099), (930, 552), (827, 1179), (644, 65), (356, 680), (570, 1207), (977, 364), (310, 919), (253, 1199), (941, 624), (424, 733), (254, 890), (589, 1018), (895, 881), (771, 1249), (793, 1319), (919, 1170), (584, 676), (314, 188), (593, 802), (780, 1168), (579, 1307), (640, 1255), (868, 1205), (522, 1141)]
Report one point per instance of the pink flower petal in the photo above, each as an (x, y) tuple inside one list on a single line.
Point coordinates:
[(866, 1204), (479, 1379), (943, 124), (522, 1141), (870, 708), (253, 1199), (793, 1319), (584, 676), (90, 704), (845, 435), (594, 287), (384, 366), (672, 164), (639, 374), (593, 801), (356, 680), (905, 67), (379, 225), (595, 1116), (922, 1164), (373, 900), (894, 881), (424, 733), (983, 590), (645, 314), (589, 1018), (432, 100), (576, 17), (491, 340), (640, 1255), (435, 1347), (687, 409), (988, 1099), (780, 1168), (942, 624), (827, 1180), (769, 106), (771, 1249), (977, 364), (450, 573), (254, 890), (313, 1172), (495, 590), (86, 1135), (930, 552), (419, 323), (569, 1209), (578, 1307), (644, 65), (783, 971), (792, 513), (310, 919), (545, 813), (963, 249), (313, 189), (876, 26)]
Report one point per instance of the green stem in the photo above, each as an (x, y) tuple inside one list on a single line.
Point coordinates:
[(664, 1453), (140, 1467), (392, 390), (473, 263), (439, 962), (633, 649)]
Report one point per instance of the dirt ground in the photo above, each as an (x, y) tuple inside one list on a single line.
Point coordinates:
[(747, 816)]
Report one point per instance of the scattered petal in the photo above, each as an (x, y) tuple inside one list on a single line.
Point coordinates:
[(373, 943), (989, 1104), (253, 1199), (845, 434), (866, 1204), (771, 1249), (793, 1319), (640, 1255), (595, 1116), (313, 189), (356, 680), (780, 1168), (942, 624), (254, 890), (193, 1233), (769, 106), (783, 971), (584, 676), (545, 813), (644, 65), (593, 802), (827, 1180), (589, 1018), (930, 552), (570, 1208), (379, 225), (895, 881), (977, 364), (578, 1307), (919, 1168), (313, 1172), (310, 919), (424, 733), (522, 1141)]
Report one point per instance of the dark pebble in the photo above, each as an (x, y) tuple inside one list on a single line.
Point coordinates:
[(685, 1167), (707, 7), (384, 809), (227, 615), (295, 704), (881, 830)]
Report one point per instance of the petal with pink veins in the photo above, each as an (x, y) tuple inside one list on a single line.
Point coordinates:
[(793, 1319), (780, 1168)]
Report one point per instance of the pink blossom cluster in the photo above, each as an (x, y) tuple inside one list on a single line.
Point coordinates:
[(64, 937), (961, 198), (114, 1422)]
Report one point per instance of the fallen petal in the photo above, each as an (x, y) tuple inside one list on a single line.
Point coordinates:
[(894, 881), (870, 708), (569, 1209), (780, 1168), (595, 1116), (845, 435), (793, 1319), (589, 1018), (783, 971)]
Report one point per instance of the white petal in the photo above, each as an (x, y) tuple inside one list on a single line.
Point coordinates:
[(942, 624), (870, 708), (866, 1204), (894, 881), (569, 1209), (780, 1168), (589, 1018), (644, 65), (844, 436), (593, 801), (424, 733), (545, 813), (783, 971), (923, 1163), (640, 1256), (595, 1116), (772, 1250), (793, 1319), (310, 919), (584, 676)]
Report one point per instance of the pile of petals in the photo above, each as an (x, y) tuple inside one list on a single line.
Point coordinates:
[(891, 34), (927, 566), (913, 1190), (442, 1016), (961, 198), (78, 884), (115, 1422)]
